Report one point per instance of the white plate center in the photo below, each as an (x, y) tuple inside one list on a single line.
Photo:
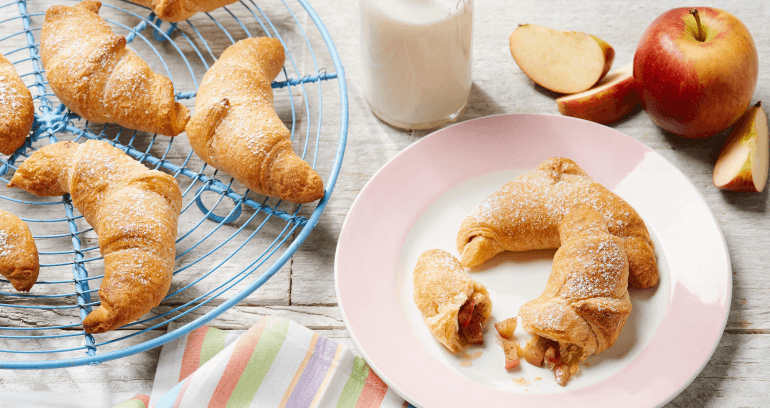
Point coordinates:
[(512, 280)]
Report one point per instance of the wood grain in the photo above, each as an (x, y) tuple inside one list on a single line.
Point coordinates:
[(303, 289)]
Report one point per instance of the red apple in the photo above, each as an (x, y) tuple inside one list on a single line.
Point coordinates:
[(607, 102), (696, 70)]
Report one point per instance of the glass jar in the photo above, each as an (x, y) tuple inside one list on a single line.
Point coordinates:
[(416, 59)]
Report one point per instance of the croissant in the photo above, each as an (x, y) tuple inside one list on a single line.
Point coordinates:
[(134, 212), (585, 302), (96, 76), (455, 307), (236, 130), (16, 109), (525, 214), (179, 10), (19, 262)]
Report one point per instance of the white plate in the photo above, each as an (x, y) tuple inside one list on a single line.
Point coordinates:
[(417, 201)]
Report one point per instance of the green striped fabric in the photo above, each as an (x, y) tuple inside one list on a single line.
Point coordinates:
[(355, 384), (269, 343), (276, 363)]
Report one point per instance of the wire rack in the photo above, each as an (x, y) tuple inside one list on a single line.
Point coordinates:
[(231, 241)]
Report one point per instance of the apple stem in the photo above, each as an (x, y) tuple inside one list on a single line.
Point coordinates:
[(700, 37), (759, 104)]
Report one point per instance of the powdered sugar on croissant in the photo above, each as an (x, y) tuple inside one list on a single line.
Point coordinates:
[(134, 212), (585, 301), (525, 214), (236, 129), (93, 73)]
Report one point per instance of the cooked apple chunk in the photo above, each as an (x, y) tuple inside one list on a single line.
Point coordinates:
[(470, 318), (506, 328)]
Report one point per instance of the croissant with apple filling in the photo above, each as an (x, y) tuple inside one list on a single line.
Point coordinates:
[(585, 302), (455, 307)]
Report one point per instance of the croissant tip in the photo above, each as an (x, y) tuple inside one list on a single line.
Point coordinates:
[(97, 322), (478, 250), (311, 191), (178, 123)]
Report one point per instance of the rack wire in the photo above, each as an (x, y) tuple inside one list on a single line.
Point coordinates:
[(231, 241)]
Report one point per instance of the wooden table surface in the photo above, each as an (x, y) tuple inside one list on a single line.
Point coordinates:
[(303, 290)]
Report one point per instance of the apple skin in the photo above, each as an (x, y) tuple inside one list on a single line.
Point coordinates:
[(609, 54), (748, 141), (743, 182), (691, 88), (603, 104)]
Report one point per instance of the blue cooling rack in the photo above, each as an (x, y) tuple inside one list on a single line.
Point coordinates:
[(230, 242)]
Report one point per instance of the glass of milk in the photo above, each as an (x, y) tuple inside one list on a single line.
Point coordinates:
[(416, 59)]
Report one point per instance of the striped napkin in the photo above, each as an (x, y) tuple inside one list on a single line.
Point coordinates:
[(276, 363)]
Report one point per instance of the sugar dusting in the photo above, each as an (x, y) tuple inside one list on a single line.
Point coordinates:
[(96, 76), (6, 247), (537, 202), (596, 270), (533, 205), (444, 270), (250, 96), (10, 97)]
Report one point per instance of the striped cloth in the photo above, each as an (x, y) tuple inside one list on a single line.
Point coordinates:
[(276, 363), (139, 401)]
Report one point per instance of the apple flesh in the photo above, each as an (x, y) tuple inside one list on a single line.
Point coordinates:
[(607, 102), (696, 77), (534, 351), (743, 163), (506, 328), (511, 351), (466, 313), (561, 61)]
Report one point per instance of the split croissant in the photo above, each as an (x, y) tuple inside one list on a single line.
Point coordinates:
[(525, 215), (133, 210), (96, 76), (441, 290), (179, 10), (16, 109), (19, 262), (236, 130), (585, 301)]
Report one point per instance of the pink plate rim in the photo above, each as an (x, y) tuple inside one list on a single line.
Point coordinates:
[(394, 198)]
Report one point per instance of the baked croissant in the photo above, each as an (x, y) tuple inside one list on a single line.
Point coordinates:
[(19, 262), (179, 10), (455, 307), (96, 76), (585, 302), (236, 130), (134, 212), (525, 214), (16, 109)]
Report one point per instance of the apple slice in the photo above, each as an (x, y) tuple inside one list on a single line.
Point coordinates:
[(611, 99), (743, 163), (562, 61)]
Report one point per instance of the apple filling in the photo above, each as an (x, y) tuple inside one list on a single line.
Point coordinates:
[(562, 358), (510, 347), (471, 319)]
